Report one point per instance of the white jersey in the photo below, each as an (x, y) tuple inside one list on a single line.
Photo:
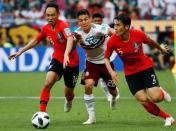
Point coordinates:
[(94, 42)]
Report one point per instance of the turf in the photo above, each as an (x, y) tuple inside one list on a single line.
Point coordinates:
[(19, 94)]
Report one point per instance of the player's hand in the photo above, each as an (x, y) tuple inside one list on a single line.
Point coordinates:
[(165, 49), (13, 56), (114, 77), (66, 60), (78, 37)]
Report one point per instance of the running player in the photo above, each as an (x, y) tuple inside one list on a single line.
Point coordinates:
[(92, 38), (58, 32), (138, 68)]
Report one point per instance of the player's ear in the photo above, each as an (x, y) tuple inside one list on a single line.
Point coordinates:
[(127, 27), (90, 18), (58, 14)]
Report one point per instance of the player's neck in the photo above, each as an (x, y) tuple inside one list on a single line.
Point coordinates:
[(126, 36), (53, 26), (87, 31)]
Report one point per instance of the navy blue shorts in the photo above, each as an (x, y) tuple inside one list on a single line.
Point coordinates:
[(70, 74), (142, 80)]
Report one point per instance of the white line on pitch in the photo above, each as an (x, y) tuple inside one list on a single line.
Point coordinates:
[(35, 97)]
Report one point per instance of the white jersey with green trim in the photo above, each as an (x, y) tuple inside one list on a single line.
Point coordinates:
[(94, 42)]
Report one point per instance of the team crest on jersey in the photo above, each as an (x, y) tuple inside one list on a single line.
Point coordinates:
[(60, 37), (94, 41), (136, 46)]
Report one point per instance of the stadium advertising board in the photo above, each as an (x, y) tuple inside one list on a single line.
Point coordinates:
[(36, 60)]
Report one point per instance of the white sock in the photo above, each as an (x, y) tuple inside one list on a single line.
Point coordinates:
[(89, 102), (104, 87)]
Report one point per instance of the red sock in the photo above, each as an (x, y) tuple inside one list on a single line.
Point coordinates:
[(44, 98), (155, 110), (152, 108), (163, 114)]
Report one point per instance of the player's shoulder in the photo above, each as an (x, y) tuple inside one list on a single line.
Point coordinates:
[(46, 27), (96, 26), (78, 30), (136, 31), (113, 37), (62, 22)]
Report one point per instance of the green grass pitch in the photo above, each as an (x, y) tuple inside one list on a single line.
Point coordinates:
[(19, 100)]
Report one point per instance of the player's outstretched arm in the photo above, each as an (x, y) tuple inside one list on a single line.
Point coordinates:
[(111, 71), (163, 50), (68, 49), (30, 45)]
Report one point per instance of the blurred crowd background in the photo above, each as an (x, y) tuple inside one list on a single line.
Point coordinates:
[(31, 11), (21, 20)]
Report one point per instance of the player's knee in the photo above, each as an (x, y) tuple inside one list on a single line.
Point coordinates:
[(156, 98), (142, 99), (88, 88)]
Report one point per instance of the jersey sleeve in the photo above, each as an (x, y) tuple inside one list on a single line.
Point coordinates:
[(41, 35), (105, 28), (66, 30), (109, 48), (145, 37)]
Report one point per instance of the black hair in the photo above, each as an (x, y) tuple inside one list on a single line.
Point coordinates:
[(83, 12), (124, 18), (54, 5), (98, 15)]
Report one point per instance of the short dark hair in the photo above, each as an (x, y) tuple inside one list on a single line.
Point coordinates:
[(52, 4), (98, 15), (83, 12), (124, 18)]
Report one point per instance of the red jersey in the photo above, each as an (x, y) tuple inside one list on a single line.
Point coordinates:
[(130, 52), (58, 38)]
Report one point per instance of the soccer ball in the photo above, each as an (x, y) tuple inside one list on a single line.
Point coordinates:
[(40, 120)]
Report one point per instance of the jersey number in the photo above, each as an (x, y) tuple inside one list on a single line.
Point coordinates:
[(154, 81)]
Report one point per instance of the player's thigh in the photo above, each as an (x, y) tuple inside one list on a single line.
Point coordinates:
[(91, 72), (51, 78), (71, 76)]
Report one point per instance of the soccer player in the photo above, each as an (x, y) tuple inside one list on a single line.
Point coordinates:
[(92, 38), (58, 32), (138, 68), (97, 18)]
